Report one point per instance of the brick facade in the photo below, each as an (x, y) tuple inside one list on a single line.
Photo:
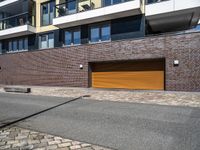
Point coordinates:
[(60, 66)]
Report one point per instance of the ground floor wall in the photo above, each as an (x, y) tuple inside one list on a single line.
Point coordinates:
[(61, 66)]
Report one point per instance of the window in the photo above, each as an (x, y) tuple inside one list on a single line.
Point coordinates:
[(71, 7), (18, 45), (46, 41), (100, 33), (112, 2), (105, 33), (72, 37), (1, 49), (47, 11)]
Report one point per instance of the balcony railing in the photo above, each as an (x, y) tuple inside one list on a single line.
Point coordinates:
[(76, 6), (154, 1), (17, 20)]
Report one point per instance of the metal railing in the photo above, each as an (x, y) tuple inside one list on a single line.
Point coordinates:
[(154, 1), (17, 20), (76, 6)]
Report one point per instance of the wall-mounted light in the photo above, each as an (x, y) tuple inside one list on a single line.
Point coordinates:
[(81, 66), (176, 63)]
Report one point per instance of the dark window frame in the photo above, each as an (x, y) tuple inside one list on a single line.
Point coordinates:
[(72, 30), (17, 46), (99, 25)]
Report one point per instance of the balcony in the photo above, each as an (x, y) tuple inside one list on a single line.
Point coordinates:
[(18, 25), (77, 12), (168, 15), (6, 2)]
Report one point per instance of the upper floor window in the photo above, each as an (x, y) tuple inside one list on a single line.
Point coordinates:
[(46, 41), (100, 33), (112, 2), (72, 37), (47, 13), (18, 45), (154, 1), (71, 7)]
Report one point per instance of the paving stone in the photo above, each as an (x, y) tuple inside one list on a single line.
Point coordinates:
[(5, 147), (12, 142), (21, 137), (28, 147), (57, 138), (76, 143), (75, 147), (52, 147), (54, 142), (40, 145), (85, 145), (39, 148), (64, 145), (27, 140), (20, 144), (2, 143), (33, 142), (2, 136), (45, 140), (66, 140), (87, 148), (64, 148)]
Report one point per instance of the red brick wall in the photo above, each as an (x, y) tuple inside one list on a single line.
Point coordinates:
[(60, 66)]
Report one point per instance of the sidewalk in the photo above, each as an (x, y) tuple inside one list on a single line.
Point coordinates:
[(16, 138), (149, 97)]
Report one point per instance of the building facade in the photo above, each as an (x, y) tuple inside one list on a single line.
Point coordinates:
[(129, 44)]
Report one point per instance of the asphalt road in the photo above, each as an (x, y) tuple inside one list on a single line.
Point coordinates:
[(123, 126)]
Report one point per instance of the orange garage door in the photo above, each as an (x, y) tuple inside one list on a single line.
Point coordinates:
[(146, 75)]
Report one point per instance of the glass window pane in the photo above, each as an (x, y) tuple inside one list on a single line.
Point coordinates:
[(43, 41), (26, 44), (21, 47), (105, 31), (77, 37), (117, 1), (15, 45), (68, 38), (45, 8), (94, 34), (107, 2), (45, 15), (52, 5), (0, 48), (10, 46), (51, 40), (71, 7)]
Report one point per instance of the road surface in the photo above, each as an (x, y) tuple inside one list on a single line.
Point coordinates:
[(123, 126)]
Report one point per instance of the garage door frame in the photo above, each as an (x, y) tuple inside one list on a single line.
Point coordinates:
[(90, 64)]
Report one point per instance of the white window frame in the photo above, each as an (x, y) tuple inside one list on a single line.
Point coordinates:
[(47, 40)]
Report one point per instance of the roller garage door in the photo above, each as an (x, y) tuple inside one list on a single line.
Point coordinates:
[(146, 75)]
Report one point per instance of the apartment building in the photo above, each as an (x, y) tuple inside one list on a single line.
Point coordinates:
[(124, 44)]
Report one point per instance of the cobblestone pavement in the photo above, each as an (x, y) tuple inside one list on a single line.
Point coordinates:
[(150, 97), (16, 138)]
